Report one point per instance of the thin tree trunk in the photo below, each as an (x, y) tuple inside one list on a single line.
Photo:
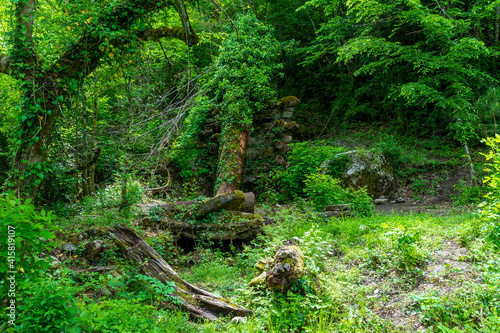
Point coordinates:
[(46, 89), (497, 26), (472, 170), (85, 173)]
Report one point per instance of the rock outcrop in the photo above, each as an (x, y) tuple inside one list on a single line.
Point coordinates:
[(367, 169)]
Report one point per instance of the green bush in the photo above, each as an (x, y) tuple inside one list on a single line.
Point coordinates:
[(22, 234), (324, 190), (305, 159), (48, 305), (490, 208), (467, 195), (124, 316), (111, 197)]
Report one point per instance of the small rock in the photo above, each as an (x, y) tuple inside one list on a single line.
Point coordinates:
[(280, 160), (279, 145), (242, 320), (289, 101), (259, 280), (262, 265), (380, 201), (340, 207), (287, 115), (291, 125), (55, 261), (70, 247)]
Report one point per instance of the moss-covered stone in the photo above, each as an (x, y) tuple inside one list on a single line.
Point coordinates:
[(258, 281), (289, 101)]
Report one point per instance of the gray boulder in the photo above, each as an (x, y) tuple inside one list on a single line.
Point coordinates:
[(366, 169)]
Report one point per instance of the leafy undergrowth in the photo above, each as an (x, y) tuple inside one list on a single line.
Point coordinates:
[(384, 273)]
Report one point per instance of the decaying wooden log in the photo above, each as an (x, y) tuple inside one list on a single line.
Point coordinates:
[(288, 267), (215, 204), (198, 302), (247, 227)]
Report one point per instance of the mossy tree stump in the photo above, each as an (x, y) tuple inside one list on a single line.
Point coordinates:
[(287, 267)]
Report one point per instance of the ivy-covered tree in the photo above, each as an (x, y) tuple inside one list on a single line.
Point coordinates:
[(240, 84), (50, 56)]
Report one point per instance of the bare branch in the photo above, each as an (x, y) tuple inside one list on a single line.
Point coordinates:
[(155, 34), (219, 8)]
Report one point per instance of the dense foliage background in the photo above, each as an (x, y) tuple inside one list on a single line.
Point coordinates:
[(126, 90), (420, 67)]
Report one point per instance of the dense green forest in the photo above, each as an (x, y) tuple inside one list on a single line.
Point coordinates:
[(249, 166)]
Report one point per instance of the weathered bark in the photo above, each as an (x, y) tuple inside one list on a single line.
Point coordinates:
[(198, 302), (245, 229), (47, 89), (231, 160), (497, 26)]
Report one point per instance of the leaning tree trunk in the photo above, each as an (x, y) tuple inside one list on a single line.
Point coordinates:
[(47, 89), (231, 160), (198, 302)]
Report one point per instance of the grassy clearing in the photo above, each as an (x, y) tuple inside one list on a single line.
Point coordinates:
[(383, 273), (380, 274)]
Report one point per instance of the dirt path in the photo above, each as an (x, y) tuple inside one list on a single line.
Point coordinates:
[(445, 272)]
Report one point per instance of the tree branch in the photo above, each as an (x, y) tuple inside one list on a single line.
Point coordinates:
[(80, 168), (83, 56), (189, 34), (155, 34)]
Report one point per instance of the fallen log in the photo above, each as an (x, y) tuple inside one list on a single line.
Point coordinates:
[(198, 302), (215, 205), (247, 227)]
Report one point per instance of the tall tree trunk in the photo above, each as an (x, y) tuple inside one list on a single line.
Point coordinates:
[(231, 160), (47, 89), (497, 26)]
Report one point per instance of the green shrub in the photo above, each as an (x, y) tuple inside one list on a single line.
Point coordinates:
[(490, 208), (305, 158), (111, 197), (22, 230), (324, 190), (467, 195), (130, 316), (48, 305)]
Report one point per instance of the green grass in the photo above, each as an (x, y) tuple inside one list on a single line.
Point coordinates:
[(375, 274)]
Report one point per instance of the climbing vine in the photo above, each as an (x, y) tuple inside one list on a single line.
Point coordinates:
[(240, 84)]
